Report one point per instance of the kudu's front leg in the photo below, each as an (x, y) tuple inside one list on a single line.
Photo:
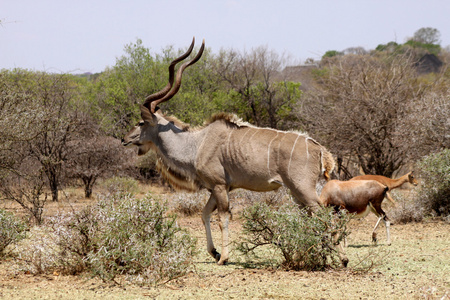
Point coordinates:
[(209, 208), (221, 195)]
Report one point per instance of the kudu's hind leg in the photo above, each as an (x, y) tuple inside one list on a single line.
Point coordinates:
[(209, 208)]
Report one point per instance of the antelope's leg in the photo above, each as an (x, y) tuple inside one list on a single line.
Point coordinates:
[(387, 223), (221, 194), (210, 206), (389, 197), (374, 234), (376, 209)]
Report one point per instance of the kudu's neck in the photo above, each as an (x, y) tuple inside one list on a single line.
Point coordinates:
[(177, 149)]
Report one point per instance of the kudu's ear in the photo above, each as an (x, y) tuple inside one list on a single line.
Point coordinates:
[(147, 116)]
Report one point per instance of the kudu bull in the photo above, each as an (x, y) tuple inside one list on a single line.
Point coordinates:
[(226, 154)]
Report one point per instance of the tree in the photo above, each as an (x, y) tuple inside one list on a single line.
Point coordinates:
[(331, 53), (95, 157), (57, 96), (257, 91), (358, 107), (16, 107), (120, 89), (25, 184), (21, 177), (49, 116), (427, 35), (427, 122)]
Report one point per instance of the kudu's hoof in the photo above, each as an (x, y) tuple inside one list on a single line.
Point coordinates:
[(345, 262), (217, 257), (222, 262)]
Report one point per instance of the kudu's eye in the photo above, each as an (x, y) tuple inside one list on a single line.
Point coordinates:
[(141, 123)]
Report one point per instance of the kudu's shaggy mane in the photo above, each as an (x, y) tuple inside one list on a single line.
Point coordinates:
[(231, 120)]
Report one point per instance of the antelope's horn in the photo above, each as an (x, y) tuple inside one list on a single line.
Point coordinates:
[(178, 79), (167, 88)]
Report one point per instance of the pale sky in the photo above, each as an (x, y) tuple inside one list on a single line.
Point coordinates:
[(88, 35)]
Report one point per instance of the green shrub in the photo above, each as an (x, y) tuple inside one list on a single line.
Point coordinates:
[(305, 241), (147, 165), (41, 253), (138, 239), (62, 244), (12, 230), (434, 192), (121, 235)]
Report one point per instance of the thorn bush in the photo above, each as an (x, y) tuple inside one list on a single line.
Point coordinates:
[(138, 239), (434, 191), (12, 230), (121, 236), (304, 241)]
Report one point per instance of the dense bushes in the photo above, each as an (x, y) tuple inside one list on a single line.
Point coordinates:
[(434, 192), (305, 242), (11, 230), (121, 235), (432, 197), (136, 238)]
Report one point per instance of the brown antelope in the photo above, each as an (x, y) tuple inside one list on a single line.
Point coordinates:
[(226, 154), (390, 183), (360, 197)]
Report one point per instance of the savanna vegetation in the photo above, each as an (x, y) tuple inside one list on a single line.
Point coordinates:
[(381, 111)]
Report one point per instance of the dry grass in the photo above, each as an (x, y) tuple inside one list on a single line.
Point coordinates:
[(416, 266)]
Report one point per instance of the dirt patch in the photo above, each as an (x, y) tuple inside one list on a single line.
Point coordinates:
[(415, 266)]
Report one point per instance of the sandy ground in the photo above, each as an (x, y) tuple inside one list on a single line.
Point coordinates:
[(415, 266)]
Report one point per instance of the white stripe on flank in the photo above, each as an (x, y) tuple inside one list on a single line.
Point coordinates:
[(244, 135), (268, 154), (256, 130), (292, 152), (228, 143), (307, 152), (279, 145)]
